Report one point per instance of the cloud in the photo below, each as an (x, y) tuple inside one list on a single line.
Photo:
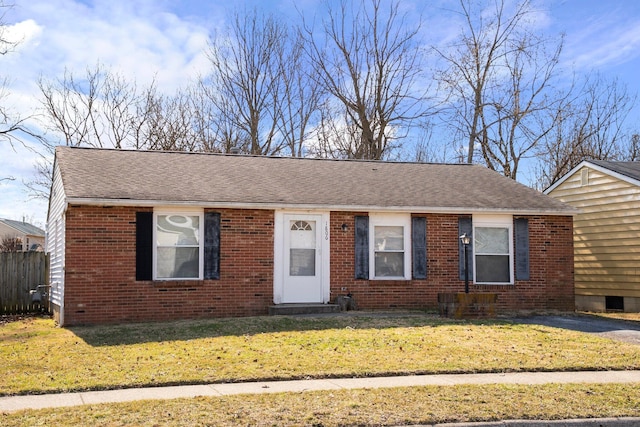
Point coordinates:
[(604, 39), (15, 202), (22, 33), (141, 40), (134, 38), (615, 46)]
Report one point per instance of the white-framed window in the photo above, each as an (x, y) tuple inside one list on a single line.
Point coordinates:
[(493, 249), (390, 248), (178, 245)]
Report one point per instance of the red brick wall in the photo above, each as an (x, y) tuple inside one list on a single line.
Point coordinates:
[(551, 284), (100, 285), (550, 257)]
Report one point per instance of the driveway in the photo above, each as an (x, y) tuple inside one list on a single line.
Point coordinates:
[(621, 330)]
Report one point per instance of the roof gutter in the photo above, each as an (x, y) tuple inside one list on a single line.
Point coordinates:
[(569, 211)]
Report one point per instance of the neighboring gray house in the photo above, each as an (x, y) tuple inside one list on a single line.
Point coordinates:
[(30, 237)]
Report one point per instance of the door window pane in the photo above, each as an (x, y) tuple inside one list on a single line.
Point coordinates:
[(302, 248), (302, 262)]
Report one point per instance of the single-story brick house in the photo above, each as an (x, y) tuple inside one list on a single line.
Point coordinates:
[(152, 236)]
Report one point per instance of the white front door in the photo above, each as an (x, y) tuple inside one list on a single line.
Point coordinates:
[(302, 263)]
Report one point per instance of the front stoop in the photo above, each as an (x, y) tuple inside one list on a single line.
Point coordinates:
[(286, 309), (464, 306)]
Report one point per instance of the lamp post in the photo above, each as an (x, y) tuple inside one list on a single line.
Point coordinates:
[(465, 242)]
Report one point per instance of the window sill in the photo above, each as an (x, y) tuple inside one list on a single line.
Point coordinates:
[(391, 281), (492, 284), (191, 283)]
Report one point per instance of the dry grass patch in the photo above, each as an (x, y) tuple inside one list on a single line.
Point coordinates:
[(635, 317), (395, 406), (37, 357)]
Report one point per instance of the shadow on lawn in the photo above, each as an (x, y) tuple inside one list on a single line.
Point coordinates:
[(123, 334)]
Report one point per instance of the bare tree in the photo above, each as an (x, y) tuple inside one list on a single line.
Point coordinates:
[(40, 185), (5, 44), (13, 126), (170, 124), (301, 97), (423, 150), (368, 58), (335, 136), (119, 99), (633, 150), (589, 126), (497, 79), (93, 111), (245, 85), (104, 110), (96, 110), (211, 134), (11, 244)]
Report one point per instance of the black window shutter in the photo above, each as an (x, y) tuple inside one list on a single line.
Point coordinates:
[(144, 245), (465, 225), (361, 247), (522, 248), (212, 245), (419, 247)]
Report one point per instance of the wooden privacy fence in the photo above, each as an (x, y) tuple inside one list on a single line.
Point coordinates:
[(23, 282)]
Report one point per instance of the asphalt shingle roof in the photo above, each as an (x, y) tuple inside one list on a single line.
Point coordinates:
[(116, 176), (23, 227), (630, 169)]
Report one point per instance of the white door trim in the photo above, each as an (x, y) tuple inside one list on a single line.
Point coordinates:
[(279, 254)]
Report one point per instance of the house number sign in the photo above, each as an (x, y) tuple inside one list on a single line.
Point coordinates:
[(326, 231)]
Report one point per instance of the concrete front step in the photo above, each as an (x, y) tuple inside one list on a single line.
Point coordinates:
[(286, 309)]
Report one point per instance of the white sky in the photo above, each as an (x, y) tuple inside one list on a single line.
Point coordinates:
[(166, 39)]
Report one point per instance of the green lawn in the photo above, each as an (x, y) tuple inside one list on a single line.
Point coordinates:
[(37, 357)]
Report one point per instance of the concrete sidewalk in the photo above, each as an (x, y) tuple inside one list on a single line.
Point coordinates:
[(15, 403)]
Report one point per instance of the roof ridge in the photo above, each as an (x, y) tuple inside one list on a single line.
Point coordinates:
[(248, 155)]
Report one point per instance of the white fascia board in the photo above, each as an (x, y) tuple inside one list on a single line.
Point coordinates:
[(565, 177), (593, 166), (614, 174), (306, 207)]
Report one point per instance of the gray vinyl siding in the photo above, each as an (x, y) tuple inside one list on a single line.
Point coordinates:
[(606, 233), (55, 239)]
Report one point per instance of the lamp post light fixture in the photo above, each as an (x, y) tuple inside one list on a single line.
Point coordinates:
[(465, 243)]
